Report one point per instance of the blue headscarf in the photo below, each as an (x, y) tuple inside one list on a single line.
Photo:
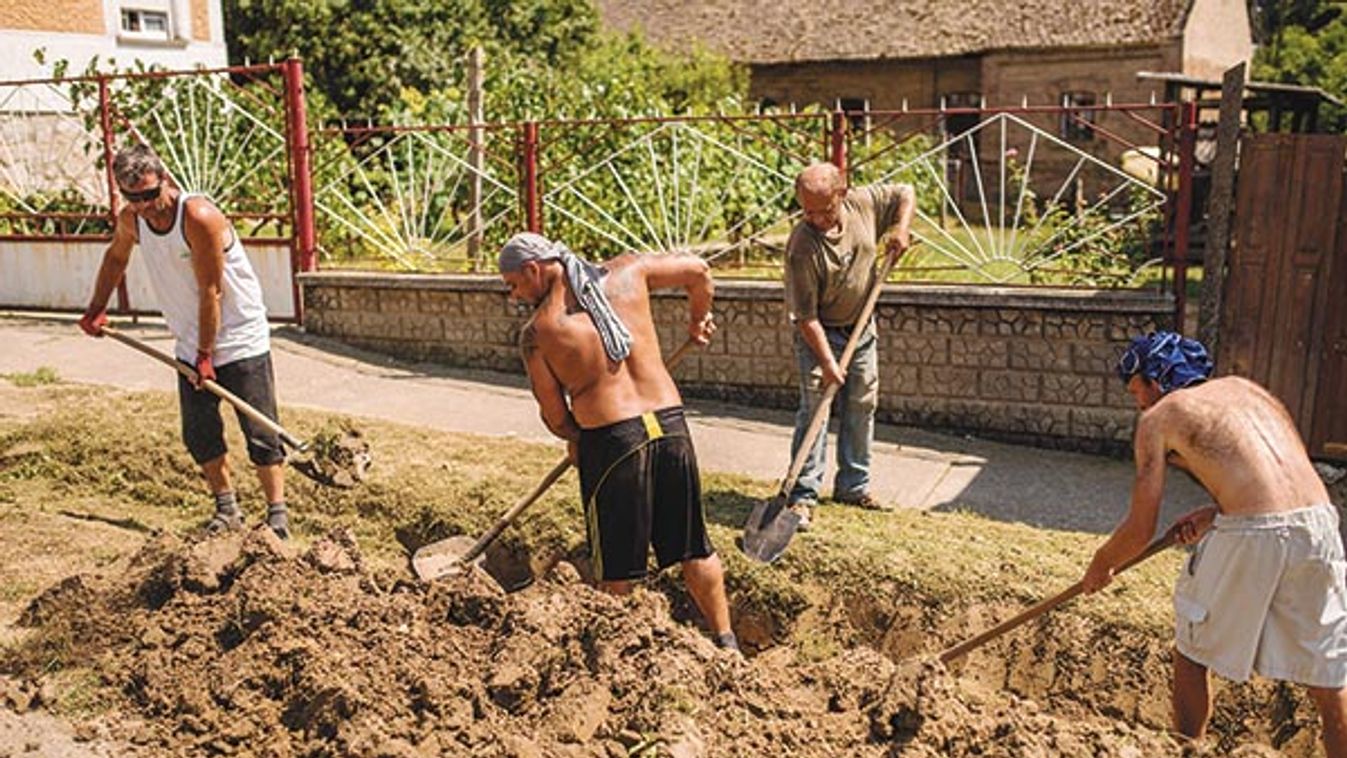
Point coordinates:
[(1171, 360)]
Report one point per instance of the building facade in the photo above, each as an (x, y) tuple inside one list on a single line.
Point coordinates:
[(173, 34), (920, 54)]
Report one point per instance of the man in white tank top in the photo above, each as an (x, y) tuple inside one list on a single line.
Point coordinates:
[(212, 302)]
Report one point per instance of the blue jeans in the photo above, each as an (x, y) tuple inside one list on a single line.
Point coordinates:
[(855, 405)]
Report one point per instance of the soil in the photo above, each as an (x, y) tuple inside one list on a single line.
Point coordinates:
[(236, 646), (132, 634)]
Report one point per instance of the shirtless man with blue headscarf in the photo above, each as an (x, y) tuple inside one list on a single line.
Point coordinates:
[(1264, 589), (594, 362)]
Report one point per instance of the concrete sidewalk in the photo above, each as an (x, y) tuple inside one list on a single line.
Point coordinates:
[(911, 468)]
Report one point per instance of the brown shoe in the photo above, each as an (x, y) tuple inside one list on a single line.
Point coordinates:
[(862, 500)]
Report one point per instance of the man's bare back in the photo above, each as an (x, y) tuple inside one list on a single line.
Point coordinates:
[(601, 391), (1239, 442)]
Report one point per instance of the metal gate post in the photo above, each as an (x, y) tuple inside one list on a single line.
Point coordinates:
[(1183, 214), (528, 176), (838, 135), (303, 246), (105, 122)]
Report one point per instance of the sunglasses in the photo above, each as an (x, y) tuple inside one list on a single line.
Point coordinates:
[(143, 196)]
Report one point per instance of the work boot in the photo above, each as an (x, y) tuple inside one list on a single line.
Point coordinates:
[(279, 520), (227, 518), (802, 508), (861, 500)]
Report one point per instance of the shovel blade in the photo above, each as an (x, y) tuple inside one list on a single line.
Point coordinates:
[(769, 530), (443, 558), (333, 460)]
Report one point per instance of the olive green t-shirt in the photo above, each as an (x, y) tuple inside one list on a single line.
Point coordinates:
[(828, 274)]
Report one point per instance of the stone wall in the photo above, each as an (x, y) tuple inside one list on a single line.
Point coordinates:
[(1025, 365)]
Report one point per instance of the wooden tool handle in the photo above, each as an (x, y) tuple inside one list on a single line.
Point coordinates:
[(504, 521), (224, 394), (829, 392), (967, 646)]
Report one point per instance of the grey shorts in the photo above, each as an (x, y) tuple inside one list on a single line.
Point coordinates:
[(203, 429), (1267, 594)]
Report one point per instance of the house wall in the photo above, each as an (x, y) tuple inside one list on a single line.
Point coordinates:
[(79, 30), (1044, 76), (73, 16), (884, 83), (1006, 78), (1022, 365), (1216, 37)]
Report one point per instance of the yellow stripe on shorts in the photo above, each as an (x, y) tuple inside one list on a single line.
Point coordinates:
[(652, 428)]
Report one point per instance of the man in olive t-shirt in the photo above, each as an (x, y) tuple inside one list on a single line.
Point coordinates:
[(830, 266)]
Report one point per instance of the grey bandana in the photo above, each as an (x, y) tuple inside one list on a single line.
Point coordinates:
[(585, 279)]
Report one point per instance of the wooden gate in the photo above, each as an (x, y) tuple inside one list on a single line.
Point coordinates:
[(1284, 310)]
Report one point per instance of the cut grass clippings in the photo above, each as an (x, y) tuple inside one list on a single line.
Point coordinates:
[(121, 451), (43, 375)]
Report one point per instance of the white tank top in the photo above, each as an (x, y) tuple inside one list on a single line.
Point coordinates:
[(243, 318)]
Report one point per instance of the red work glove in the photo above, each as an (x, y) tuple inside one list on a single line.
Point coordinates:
[(204, 369), (92, 322)]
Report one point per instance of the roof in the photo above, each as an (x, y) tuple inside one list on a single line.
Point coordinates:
[(781, 31), (1262, 88)]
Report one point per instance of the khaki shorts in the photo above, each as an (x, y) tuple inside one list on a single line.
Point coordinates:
[(1267, 594)]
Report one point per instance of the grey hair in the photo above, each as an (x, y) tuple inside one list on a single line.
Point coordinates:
[(136, 161)]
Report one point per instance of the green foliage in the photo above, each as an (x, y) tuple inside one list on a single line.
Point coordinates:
[(222, 137), (1306, 44), (70, 212), (613, 77), (1090, 250), (363, 55), (43, 375)]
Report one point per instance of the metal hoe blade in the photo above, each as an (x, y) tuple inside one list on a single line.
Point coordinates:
[(769, 530)]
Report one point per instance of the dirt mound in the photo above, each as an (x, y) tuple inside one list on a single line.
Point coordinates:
[(233, 645)]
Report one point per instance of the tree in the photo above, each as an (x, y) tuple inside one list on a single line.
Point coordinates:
[(1302, 42), (363, 54)]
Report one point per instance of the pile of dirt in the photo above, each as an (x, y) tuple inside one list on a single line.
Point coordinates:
[(233, 646)]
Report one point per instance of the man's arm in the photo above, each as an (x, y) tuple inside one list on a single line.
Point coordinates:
[(817, 340), (110, 272), (551, 397), (900, 231), (692, 274), (1134, 533), (207, 232), (802, 287)]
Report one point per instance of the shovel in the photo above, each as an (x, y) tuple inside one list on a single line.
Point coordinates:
[(771, 525), (350, 456), (451, 555), (963, 648)]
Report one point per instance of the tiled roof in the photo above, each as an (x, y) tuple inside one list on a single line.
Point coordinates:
[(779, 31)]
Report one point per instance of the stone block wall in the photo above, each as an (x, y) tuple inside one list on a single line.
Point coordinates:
[(1023, 365)]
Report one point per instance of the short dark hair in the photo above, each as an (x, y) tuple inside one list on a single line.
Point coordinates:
[(136, 161)]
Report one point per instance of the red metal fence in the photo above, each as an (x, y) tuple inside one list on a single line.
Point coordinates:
[(1010, 195), (237, 134)]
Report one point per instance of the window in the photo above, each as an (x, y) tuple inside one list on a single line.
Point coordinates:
[(956, 124), (145, 23), (1077, 126), (856, 109)]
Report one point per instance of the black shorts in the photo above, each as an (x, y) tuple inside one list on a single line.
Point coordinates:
[(203, 429), (640, 485)]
